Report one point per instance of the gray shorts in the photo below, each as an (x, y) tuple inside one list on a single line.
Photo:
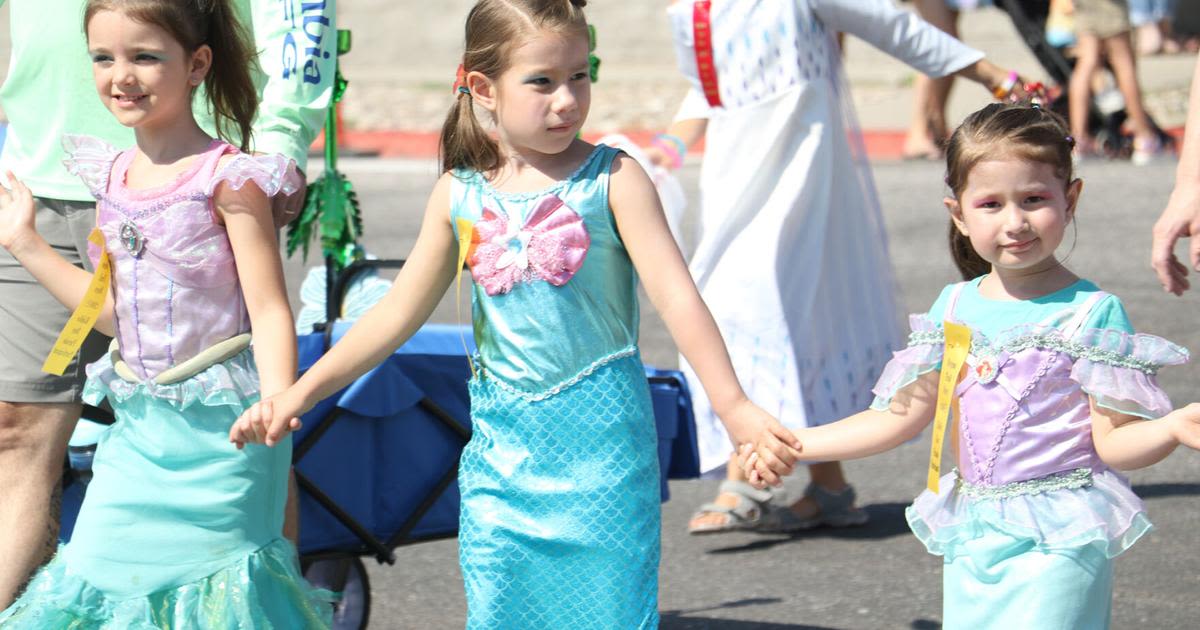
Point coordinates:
[(30, 318)]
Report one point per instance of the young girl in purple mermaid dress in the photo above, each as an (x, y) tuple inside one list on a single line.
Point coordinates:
[(1055, 394), (179, 529)]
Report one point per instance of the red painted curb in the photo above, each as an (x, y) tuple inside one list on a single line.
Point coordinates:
[(881, 145)]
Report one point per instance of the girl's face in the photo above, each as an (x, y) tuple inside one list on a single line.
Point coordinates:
[(541, 101), (143, 75), (1015, 212)]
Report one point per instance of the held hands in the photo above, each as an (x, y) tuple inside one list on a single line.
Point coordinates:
[(16, 214), (755, 466), (267, 421), (757, 432)]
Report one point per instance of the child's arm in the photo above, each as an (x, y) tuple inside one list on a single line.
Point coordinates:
[(865, 433), (418, 287), (1128, 442), (251, 227), (643, 229), (688, 131), (18, 234)]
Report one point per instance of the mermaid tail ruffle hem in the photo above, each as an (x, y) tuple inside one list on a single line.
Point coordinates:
[(263, 590)]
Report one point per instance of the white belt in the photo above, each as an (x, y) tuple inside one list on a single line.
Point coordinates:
[(217, 353)]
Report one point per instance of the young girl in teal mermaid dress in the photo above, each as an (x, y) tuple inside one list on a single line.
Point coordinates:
[(1055, 394), (560, 504), (179, 529)]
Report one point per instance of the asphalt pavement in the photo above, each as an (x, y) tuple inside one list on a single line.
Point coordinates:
[(877, 576)]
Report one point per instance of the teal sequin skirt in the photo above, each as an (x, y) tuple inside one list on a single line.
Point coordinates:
[(178, 529), (560, 505)]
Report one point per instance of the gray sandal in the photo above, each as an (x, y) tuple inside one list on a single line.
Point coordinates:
[(752, 504), (836, 510)]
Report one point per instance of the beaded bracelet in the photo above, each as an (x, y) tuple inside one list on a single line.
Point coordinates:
[(1002, 91), (673, 146)]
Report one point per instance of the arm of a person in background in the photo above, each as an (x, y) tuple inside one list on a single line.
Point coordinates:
[(905, 36), (1129, 442), (864, 434), (297, 44), (661, 267), (18, 234), (1181, 217), (416, 291), (689, 126)]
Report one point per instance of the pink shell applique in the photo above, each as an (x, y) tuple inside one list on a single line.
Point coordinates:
[(551, 246)]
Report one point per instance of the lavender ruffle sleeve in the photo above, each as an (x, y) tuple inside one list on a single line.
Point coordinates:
[(923, 354), (273, 173), (1118, 370), (91, 159)]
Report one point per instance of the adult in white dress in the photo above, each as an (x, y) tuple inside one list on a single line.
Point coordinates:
[(792, 258)]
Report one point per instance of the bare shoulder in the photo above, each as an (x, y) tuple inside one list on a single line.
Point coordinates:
[(628, 183)]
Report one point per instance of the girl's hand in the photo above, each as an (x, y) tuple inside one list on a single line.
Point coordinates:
[(1005, 85), (773, 446), (657, 156), (266, 421), (1185, 425), (16, 214)]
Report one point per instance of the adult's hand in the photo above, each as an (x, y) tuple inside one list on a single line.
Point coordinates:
[(288, 207), (1180, 219)]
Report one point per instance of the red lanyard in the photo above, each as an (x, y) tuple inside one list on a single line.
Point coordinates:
[(702, 35)]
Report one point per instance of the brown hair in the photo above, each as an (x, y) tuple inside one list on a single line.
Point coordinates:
[(493, 27), (1029, 132), (231, 94)]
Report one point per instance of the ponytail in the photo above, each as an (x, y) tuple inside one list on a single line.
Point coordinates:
[(228, 86), (231, 94), (464, 142)]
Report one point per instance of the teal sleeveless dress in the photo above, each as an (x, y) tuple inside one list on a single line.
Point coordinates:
[(560, 507)]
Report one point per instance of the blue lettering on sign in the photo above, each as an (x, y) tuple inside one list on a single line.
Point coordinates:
[(289, 56), (314, 25)]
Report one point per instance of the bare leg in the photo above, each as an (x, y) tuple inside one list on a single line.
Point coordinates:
[(1120, 55), (927, 127), (1087, 60), (33, 443)]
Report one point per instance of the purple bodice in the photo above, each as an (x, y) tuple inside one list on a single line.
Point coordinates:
[(1026, 462), (1031, 421), (175, 283)]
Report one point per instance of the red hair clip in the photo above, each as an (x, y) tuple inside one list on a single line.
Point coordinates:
[(460, 81)]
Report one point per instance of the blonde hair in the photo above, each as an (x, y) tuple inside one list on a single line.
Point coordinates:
[(492, 29), (1028, 132)]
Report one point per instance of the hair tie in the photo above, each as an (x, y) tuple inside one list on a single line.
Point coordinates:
[(1070, 142), (460, 81)]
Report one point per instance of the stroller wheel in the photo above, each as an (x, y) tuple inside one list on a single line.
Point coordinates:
[(348, 577)]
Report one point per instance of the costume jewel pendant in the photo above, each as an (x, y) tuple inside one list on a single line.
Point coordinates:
[(132, 239)]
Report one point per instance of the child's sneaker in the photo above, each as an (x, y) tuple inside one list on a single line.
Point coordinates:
[(1149, 150)]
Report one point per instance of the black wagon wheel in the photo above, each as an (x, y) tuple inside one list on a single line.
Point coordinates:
[(347, 576)]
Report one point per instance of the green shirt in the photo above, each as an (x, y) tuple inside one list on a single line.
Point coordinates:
[(50, 91)]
